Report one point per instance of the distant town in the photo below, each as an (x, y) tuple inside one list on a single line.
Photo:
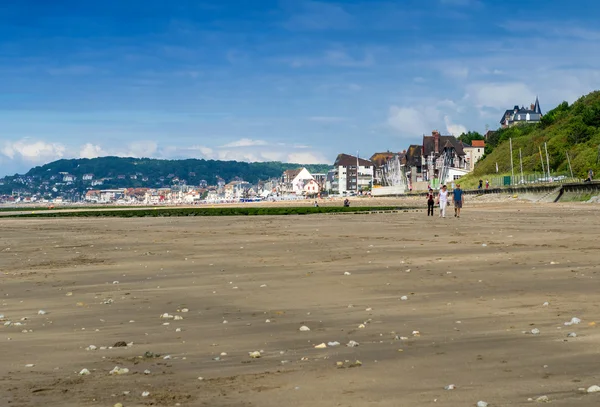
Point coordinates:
[(437, 160)]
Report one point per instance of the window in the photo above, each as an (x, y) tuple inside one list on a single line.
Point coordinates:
[(456, 177), (479, 150)]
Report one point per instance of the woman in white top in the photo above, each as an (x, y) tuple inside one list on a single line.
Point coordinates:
[(443, 198)]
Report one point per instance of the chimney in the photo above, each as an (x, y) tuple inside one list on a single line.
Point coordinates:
[(436, 140), (532, 107)]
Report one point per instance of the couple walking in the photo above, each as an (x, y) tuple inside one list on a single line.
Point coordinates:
[(457, 197)]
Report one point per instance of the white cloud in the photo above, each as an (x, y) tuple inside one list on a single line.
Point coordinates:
[(408, 121), (34, 152), (139, 149), (500, 95), (306, 158), (452, 128), (245, 142), (90, 150)]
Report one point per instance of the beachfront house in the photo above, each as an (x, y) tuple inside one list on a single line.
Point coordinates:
[(443, 159), (474, 152), (293, 181), (351, 174)]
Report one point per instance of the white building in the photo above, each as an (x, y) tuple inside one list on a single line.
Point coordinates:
[(294, 181), (351, 173), (474, 152)]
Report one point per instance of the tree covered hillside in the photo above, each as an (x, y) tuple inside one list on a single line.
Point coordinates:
[(572, 129), (191, 170)]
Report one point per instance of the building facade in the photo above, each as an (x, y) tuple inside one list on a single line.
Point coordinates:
[(351, 173), (474, 152), (520, 115)]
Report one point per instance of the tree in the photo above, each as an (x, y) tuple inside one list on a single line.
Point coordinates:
[(468, 137)]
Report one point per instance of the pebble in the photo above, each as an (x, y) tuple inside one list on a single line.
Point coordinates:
[(304, 328), (404, 298), (361, 326), (482, 404), (119, 371), (333, 344), (146, 372), (255, 354), (42, 312), (542, 399), (450, 387), (30, 365), (535, 331), (546, 304), (145, 394), (593, 389), (572, 335), (84, 372), (118, 405), (573, 321), (352, 344), (320, 346), (347, 273)]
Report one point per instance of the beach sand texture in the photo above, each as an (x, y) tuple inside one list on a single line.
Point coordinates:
[(474, 290)]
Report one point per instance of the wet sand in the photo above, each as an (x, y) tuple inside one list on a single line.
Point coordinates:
[(474, 285)]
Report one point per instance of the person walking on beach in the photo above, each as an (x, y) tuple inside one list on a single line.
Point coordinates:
[(430, 202), (443, 199), (487, 184), (480, 184), (457, 197)]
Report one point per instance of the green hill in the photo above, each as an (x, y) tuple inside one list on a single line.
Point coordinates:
[(119, 172), (191, 169), (572, 129)]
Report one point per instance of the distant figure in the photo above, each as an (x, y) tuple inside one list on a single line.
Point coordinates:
[(316, 204), (430, 202), (457, 197), (487, 184), (590, 176), (346, 203), (443, 200), (480, 184)]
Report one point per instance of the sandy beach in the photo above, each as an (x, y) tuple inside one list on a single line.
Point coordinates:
[(478, 302)]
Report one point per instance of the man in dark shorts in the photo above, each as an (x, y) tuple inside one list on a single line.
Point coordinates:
[(457, 197)]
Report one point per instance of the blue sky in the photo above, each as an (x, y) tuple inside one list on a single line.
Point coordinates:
[(288, 80)]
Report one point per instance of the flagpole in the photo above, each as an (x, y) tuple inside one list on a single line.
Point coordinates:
[(547, 160), (357, 172), (521, 160), (542, 160), (512, 168), (570, 168)]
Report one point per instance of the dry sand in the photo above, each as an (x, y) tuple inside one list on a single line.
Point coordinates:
[(470, 303)]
